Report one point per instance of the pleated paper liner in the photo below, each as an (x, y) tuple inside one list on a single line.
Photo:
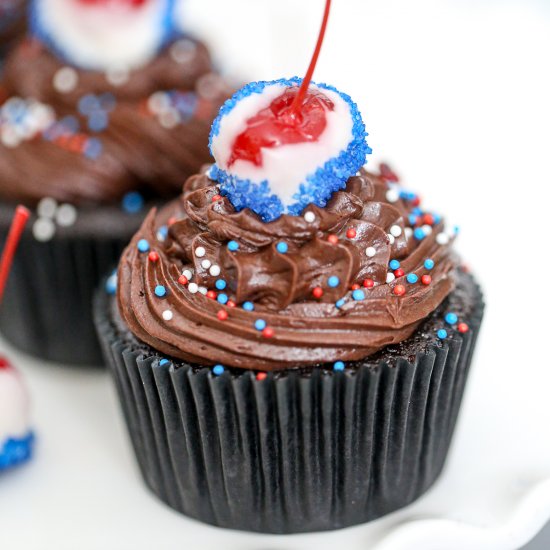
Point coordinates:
[(297, 452), (47, 307)]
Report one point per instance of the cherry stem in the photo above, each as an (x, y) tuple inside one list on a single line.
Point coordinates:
[(299, 99), (16, 230)]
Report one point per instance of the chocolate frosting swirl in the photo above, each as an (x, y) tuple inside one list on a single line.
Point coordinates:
[(137, 151), (306, 330)]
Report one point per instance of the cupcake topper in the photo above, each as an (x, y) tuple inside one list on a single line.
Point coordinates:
[(103, 34), (282, 145)]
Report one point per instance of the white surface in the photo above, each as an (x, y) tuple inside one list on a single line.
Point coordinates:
[(14, 406), (455, 93)]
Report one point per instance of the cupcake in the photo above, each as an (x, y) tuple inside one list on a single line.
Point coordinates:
[(291, 338), (12, 23), (107, 112)]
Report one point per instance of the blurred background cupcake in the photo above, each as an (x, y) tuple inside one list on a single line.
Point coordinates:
[(106, 111)]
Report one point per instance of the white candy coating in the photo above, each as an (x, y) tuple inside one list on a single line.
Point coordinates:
[(14, 405), (370, 251)]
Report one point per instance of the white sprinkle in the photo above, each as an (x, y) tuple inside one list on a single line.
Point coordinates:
[(427, 229), (183, 51), (169, 119), (117, 76), (203, 290), (158, 102), (390, 277), (395, 230), (408, 232), (66, 215), (442, 238), (209, 86), (215, 270), (370, 251), (391, 238), (193, 288), (10, 136), (200, 251), (43, 229), (392, 195), (65, 80), (47, 207), (206, 264), (167, 315), (188, 274), (309, 217)]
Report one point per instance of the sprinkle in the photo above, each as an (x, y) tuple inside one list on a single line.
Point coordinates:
[(117, 76), (317, 292), (216, 198), (462, 328), (395, 230), (451, 318), (218, 370), (268, 332), (426, 279), (220, 284), (231, 303), (412, 278), (391, 238), (43, 229), (160, 291), (309, 217), (332, 239), (398, 273), (187, 273), (111, 284), (442, 239), (355, 286), (339, 366), (282, 247), (205, 264), (368, 283), (248, 306), (65, 80), (163, 362), (222, 315), (260, 324), (333, 281), (412, 219), (222, 299), (132, 202), (399, 290), (428, 219), (47, 207), (390, 277), (429, 263), (370, 251), (167, 315), (408, 232), (392, 195), (153, 256), (212, 294), (143, 245), (261, 376), (358, 295), (419, 233), (351, 233), (442, 334), (394, 264), (427, 229), (340, 303), (215, 270), (200, 251), (233, 246), (183, 280), (66, 215), (193, 288), (203, 290)]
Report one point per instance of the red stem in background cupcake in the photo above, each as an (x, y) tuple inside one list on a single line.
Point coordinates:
[(297, 116), (16, 230)]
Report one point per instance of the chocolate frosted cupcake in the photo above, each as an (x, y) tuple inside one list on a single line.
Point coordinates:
[(93, 132)]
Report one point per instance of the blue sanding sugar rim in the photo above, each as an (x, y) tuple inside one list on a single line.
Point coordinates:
[(169, 31), (15, 451), (318, 187)]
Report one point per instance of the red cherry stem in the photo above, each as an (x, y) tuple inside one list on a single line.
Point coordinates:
[(16, 230), (299, 99)]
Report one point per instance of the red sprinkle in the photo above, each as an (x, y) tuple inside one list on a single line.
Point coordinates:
[(222, 315), (216, 198), (172, 220), (261, 376), (183, 280), (230, 303), (399, 290), (428, 219), (355, 286), (268, 332), (212, 294), (463, 327), (317, 292), (153, 256), (416, 201), (426, 279), (332, 239), (368, 283), (351, 233), (398, 273)]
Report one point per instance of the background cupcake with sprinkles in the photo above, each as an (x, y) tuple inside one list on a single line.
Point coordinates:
[(291, 338), (107, 110)]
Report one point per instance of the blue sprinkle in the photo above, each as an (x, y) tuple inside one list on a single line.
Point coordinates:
[(87, 104), (456, 229), (333, 281), (163, 362), (218, 370), (451, 318), (417, 211), (442, 334), (412, 278), (394, 264), (220, 284), (340, 303), (98, 121), (162, 233), (412, 219), (358, 295), (260, 324), (132, 202), (248, 306), (222, 298), (160, 291), (70, 123), (107, 101), (143, 245), (339, 366), (282, 247), (419, 233), (437, 218), (429, 264), (233, 246), (93, 148), (110, 284)]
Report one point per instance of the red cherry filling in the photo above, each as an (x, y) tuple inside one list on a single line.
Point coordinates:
[(279, 124), (4, 363)]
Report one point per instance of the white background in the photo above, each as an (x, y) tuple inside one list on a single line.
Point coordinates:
[(456, 95)]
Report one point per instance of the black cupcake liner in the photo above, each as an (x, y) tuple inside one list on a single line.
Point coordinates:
[(295, 452)]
